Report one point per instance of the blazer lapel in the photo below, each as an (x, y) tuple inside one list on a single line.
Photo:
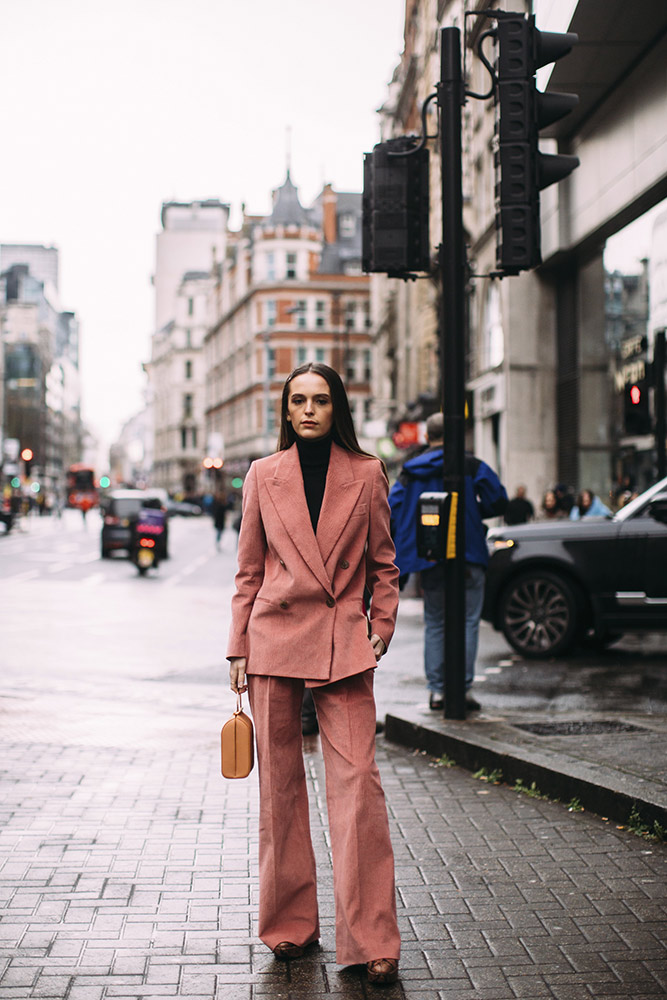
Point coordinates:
[(289, 499), (341, 494)]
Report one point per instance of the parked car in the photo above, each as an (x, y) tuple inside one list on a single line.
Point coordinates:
[(182, 508), (551, 585)]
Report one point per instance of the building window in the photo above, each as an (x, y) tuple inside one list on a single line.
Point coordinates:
[(188, 338), (301, 307), (270, 415), (271, 313), (347, 225), (270, 362), (290, 271), (368, 371), (367, 315), (351, 366), (320, 308), (367, 409), (271, 267), (188, 369), (191, 306), (187, 405), (194, 437), (184, 438), (493, 344), (350, 315), (320, 355), (301, 355)]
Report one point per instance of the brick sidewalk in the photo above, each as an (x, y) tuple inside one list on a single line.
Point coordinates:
[(132, 873)]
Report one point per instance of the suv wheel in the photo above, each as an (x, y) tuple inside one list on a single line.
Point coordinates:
[(539, 613)]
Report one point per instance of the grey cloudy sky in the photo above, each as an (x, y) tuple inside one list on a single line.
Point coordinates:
[(111, 108)]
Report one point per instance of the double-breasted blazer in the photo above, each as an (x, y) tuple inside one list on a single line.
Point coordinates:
[(298, 608)]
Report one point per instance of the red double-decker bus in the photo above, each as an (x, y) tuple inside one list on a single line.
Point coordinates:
[(81, 487)]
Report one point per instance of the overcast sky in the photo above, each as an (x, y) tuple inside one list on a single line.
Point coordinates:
[(109, 109)]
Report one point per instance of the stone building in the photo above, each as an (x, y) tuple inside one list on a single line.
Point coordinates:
[(539, 377), (41, 404), (289, 290), (192, 240)]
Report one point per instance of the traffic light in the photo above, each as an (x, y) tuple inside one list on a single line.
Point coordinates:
[(395, 209), (636, 409), (27, 455), (521, 170)]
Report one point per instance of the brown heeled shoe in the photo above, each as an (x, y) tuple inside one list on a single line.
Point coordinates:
[(382, 971), (286, 950)]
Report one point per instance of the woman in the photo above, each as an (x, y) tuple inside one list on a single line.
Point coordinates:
[(315, 532), (550, 509), (589, 505)]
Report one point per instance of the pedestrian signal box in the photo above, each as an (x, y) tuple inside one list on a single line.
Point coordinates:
[(436, 526), (637, 413)]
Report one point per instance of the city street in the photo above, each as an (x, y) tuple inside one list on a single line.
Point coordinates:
[(74, 624), (128, 865)]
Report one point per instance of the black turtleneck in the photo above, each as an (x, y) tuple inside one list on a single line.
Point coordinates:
[(314, 459)]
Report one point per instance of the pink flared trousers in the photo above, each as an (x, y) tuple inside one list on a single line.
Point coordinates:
[(363, 860)]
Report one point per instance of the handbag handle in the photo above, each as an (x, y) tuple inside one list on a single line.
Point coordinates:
[(239, 704)]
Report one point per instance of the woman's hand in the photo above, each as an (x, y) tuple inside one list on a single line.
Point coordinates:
[(378, 645), (237, 665)]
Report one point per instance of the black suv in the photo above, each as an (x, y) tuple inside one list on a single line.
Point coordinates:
[(551, 585), (119, 508)]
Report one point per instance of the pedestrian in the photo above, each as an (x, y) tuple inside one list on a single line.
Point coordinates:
[(550, 509), (315, 532), (564, 498), (219, 514), (485, 497), (519, 509), (588, 505)]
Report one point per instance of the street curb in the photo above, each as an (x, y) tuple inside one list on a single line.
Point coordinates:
[(599, 789)]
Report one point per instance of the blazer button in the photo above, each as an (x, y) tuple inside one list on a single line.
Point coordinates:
[(284, 604), (330, 602), (344, 564)]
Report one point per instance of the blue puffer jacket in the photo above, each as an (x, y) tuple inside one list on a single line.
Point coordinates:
[(485, 496)]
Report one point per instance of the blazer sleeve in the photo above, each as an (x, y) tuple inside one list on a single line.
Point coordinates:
[(381, 569), (250, 574)]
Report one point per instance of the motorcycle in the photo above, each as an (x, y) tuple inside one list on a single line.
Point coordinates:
[(147, 539)]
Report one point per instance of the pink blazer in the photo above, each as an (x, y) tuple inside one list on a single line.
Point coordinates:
[(298, 607)]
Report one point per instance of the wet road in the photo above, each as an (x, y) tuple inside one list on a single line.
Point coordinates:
[(73, 623)]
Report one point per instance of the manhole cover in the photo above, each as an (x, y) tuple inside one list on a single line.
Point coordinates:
[(577, 728)]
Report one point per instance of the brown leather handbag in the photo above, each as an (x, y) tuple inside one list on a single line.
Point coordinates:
[(237, 744)]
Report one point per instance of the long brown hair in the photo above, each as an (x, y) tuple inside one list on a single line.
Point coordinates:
[(342, 432)]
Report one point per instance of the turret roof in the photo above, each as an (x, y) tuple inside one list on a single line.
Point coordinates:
[(287, 209)]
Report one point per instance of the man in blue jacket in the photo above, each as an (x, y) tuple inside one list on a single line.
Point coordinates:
[(485, 497)]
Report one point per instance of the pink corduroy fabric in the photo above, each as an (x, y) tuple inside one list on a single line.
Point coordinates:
[(363, 861)]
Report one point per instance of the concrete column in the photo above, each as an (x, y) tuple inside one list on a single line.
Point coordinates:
[(583, 384), (528, 439), (595, 386)]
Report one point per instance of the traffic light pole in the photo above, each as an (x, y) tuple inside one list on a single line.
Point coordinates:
[(452, 260)]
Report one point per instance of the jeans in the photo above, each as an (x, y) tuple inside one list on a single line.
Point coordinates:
[(434, 629)]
